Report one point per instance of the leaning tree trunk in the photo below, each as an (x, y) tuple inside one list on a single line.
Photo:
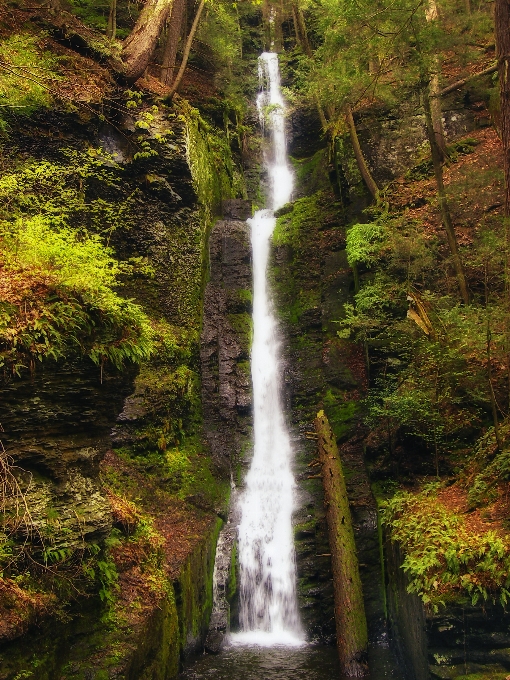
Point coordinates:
[(187, 49), (139, 46), (442, 199), (351, 624), (172, 42), (306, 48), (360, 159)]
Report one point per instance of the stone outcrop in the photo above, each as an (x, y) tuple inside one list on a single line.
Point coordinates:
[(226, 339)]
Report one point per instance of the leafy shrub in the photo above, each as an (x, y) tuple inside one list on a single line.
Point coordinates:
[(442, 557), (69, 304), (364, 243)]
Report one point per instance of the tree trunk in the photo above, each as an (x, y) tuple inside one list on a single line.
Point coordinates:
[(436, 112), (351, 624), (467, 6), (360, 159), (111, 30), (434, 88), (300, 30), (139, 46), (502, 30), (172, 42), (502, 34), (306, 48), (187, 49), (443, 202)]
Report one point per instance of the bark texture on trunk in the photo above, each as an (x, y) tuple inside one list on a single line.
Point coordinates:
[(112, 20), (351, 624), (172, 42), (140, 44), (306, 48), (502, 29), (431, 14), (187, 49), (446, 217), (360, 159)]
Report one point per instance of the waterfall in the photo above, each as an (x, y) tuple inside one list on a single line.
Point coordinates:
[(268, 603)]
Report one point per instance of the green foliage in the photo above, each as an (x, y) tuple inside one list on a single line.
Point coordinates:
[(220, 30), (61, 294), (215, 176), (428, 353), (61, 191), (364, 243), (487, 467), (75, 309), (27, 73), (95, 14), (442, 557)]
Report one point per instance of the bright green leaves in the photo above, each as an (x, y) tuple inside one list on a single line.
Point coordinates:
[(68, 304), (364, 243), (26, 75)]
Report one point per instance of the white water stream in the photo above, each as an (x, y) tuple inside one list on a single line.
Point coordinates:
[(269, 613)]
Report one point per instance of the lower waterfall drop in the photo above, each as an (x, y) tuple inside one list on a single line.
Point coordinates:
[(268, 603)]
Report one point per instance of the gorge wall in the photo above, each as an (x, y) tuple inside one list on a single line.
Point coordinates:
[(106, 455)]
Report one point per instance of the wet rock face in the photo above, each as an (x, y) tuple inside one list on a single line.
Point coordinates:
[(56, 427), (393, 142), (226, 341)]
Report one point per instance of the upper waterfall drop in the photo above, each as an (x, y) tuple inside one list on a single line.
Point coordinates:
[(271, 107), (268, 607)]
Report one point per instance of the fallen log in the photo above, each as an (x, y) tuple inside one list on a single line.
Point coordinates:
[(351, 624)]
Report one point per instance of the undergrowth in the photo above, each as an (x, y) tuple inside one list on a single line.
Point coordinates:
[(26, 74), (58, 298), (443, 559)]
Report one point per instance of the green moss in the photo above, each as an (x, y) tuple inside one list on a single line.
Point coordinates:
[(242, 325), (232, 579), (311, 173), (305, 215), (195, 590), (245, 296), (27, 76), (215, 175), (341, 413)]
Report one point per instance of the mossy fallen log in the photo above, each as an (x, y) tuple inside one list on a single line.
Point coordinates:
[(351, 624)]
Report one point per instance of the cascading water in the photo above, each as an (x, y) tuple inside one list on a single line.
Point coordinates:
[(268, 604)]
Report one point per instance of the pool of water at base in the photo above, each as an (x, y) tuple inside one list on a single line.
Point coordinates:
[(308, 662)]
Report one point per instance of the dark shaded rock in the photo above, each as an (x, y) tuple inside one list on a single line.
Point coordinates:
[(225, 342), (214, 642), (61, 417), (236, 209)]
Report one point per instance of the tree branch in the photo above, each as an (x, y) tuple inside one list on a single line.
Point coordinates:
[(460, 83)]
